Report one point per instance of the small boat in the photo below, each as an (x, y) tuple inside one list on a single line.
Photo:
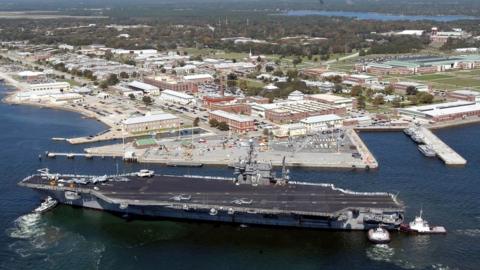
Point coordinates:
[(417, 138), (426, 150), (88, 156), (420, 226), (46, 205), (51, 155), (379, 235), (408, 131), (70, 156), (145, 173)]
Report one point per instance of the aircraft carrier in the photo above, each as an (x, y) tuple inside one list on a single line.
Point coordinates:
[(254, 196)]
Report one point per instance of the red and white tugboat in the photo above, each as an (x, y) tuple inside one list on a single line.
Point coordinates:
[(420, 226)]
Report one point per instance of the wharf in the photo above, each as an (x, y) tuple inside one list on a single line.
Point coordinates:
[(443, 151), (74, 155), (366, 155)]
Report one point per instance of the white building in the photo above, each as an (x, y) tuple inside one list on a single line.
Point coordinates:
[(322, 122), (447, 111), (153, 122), (144, 87), (296, 95), (55, 87), (177, 97), (410, 33), (198, 78)]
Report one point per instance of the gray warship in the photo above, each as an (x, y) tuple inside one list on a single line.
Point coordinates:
[(254, 196)]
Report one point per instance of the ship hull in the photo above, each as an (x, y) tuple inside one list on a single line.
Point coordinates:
[(133, 212)]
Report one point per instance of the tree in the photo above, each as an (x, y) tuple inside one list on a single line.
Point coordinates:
[(356, 91), (278, 73), (424, 97), (223, 126), (131, 96), (213, 122), (292, 74), (266, 132), (147, 100), (196, 121), (411, 90), (112, 79), (269, 68), (361, 102), (378, 100), (389, 90), (337, 88), (296, 61), (123, 75), (108, 55)]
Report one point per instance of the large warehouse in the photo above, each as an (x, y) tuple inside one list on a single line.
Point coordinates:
[(420, 65), (443, 111)]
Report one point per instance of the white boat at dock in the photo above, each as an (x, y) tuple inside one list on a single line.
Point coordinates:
[(427, 150)]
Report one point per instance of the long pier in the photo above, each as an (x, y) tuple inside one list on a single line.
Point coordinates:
[(443, 151)]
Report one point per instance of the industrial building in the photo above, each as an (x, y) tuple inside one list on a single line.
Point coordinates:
[(171, 83), (401, 87), (443, 111), (144, 87), (152, 122), (421, 65), (177, 97), (322, 122), (348, 103), (466, 95), (236, 122), (294, 111), (54, 87)]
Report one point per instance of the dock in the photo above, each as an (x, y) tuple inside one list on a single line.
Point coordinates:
[(366, 155), (72, 155), (443, 151)]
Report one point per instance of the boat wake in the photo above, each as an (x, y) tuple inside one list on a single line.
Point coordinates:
[(47, 246), (384, 253), (469, 232), (381, 252)]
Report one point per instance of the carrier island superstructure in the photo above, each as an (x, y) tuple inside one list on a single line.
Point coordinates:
[(254, 196)]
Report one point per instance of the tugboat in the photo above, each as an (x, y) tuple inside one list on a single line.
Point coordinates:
[(420, 226), (379, 235), (46, 205)]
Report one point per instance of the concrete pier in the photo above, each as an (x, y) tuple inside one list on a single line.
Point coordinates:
[(366, 155), (444, 152)]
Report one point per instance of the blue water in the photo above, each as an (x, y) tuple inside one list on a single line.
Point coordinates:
[(73, 238), (379, 16)]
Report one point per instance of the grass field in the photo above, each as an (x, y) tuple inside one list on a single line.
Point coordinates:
[(462, 82), (430, 77)]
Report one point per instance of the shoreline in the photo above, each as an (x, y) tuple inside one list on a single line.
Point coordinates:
[(368, 160)]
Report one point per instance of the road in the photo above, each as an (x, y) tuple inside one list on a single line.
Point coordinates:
[(342, 58)]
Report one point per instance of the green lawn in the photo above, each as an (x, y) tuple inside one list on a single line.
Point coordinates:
[(430, 77), (462, 82), (254, 83)]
